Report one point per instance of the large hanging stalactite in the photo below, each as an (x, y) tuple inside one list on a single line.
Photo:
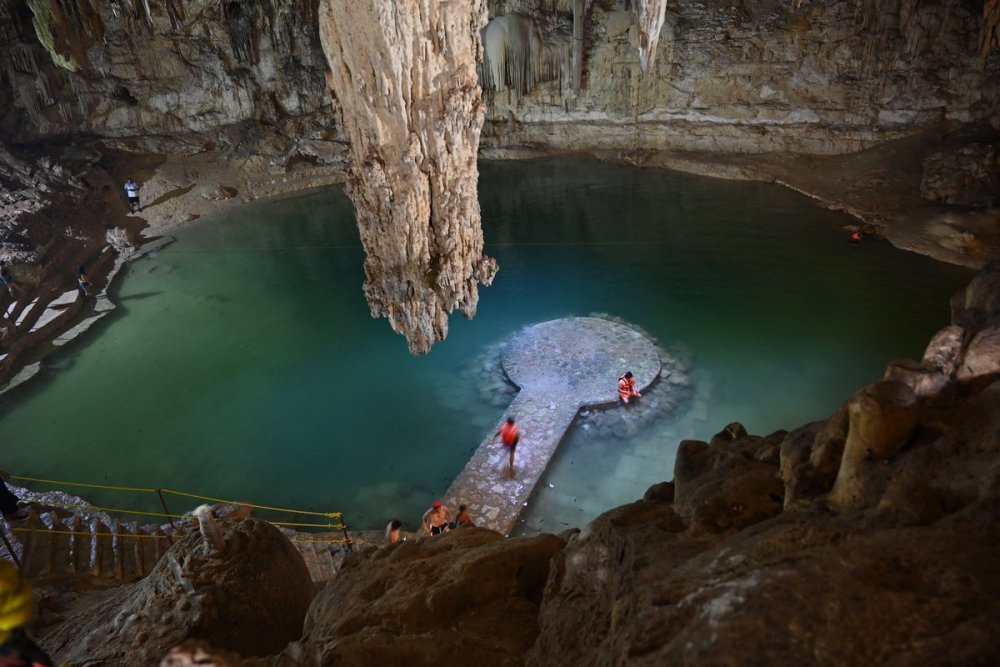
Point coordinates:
[(404, 76)]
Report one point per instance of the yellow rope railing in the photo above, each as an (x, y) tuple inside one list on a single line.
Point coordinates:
[(117, 510), (125, 535), (18, 529), (137, 489), (83, 484)]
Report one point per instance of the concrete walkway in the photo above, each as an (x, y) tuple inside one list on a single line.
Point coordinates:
[(559, 366)]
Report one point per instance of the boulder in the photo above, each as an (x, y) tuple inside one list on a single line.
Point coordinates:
[(467, 597), (883, 416), (251, 598), (943, 353), (979, 303), (721, 488), (982, 356), (924, 382)]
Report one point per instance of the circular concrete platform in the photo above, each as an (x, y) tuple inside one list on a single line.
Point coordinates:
[(579, 357)]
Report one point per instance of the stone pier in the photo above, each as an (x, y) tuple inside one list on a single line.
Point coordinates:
[(559, 366)]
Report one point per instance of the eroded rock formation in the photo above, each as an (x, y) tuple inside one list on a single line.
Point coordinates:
[(404, 74), (167, 75), (754, 77), (252, 598), (470, 597)]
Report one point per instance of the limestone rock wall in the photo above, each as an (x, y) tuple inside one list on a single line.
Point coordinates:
[(404, 74), (766, 75), (811, 77), (173, 75)]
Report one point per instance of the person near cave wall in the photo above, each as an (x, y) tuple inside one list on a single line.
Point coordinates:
[(132, 192)]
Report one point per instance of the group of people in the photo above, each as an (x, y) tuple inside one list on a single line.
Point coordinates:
[(436, 521)]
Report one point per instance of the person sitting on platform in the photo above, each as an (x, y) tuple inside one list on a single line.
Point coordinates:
[(626, 389)]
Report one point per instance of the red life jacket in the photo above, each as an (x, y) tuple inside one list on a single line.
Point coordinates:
[(509, 434), (626, 387)]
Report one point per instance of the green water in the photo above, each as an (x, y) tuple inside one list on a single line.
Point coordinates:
[(243, 362)]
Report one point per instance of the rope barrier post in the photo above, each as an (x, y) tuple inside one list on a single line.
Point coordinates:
[(350, 545), (10, 549), (163, 502)]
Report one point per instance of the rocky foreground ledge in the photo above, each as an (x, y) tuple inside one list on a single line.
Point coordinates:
[(868, 538)]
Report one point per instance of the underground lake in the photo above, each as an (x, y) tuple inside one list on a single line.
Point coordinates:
[(243, 363)]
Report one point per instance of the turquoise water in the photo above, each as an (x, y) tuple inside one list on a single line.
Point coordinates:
[(243, 362)]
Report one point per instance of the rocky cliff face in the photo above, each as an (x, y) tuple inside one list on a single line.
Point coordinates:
[(812, 77), (404, 74), (169, 75), (762, 76)]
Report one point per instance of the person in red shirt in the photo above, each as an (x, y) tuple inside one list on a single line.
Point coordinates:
[(626, 389), (510, 435)]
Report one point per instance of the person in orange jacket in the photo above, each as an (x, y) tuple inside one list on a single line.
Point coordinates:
[(510, 435), (626, 389)]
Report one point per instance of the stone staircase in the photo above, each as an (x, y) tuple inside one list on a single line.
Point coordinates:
[(54, 543)]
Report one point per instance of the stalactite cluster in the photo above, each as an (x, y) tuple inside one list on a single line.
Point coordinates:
[(516, 57), (404, 76)]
